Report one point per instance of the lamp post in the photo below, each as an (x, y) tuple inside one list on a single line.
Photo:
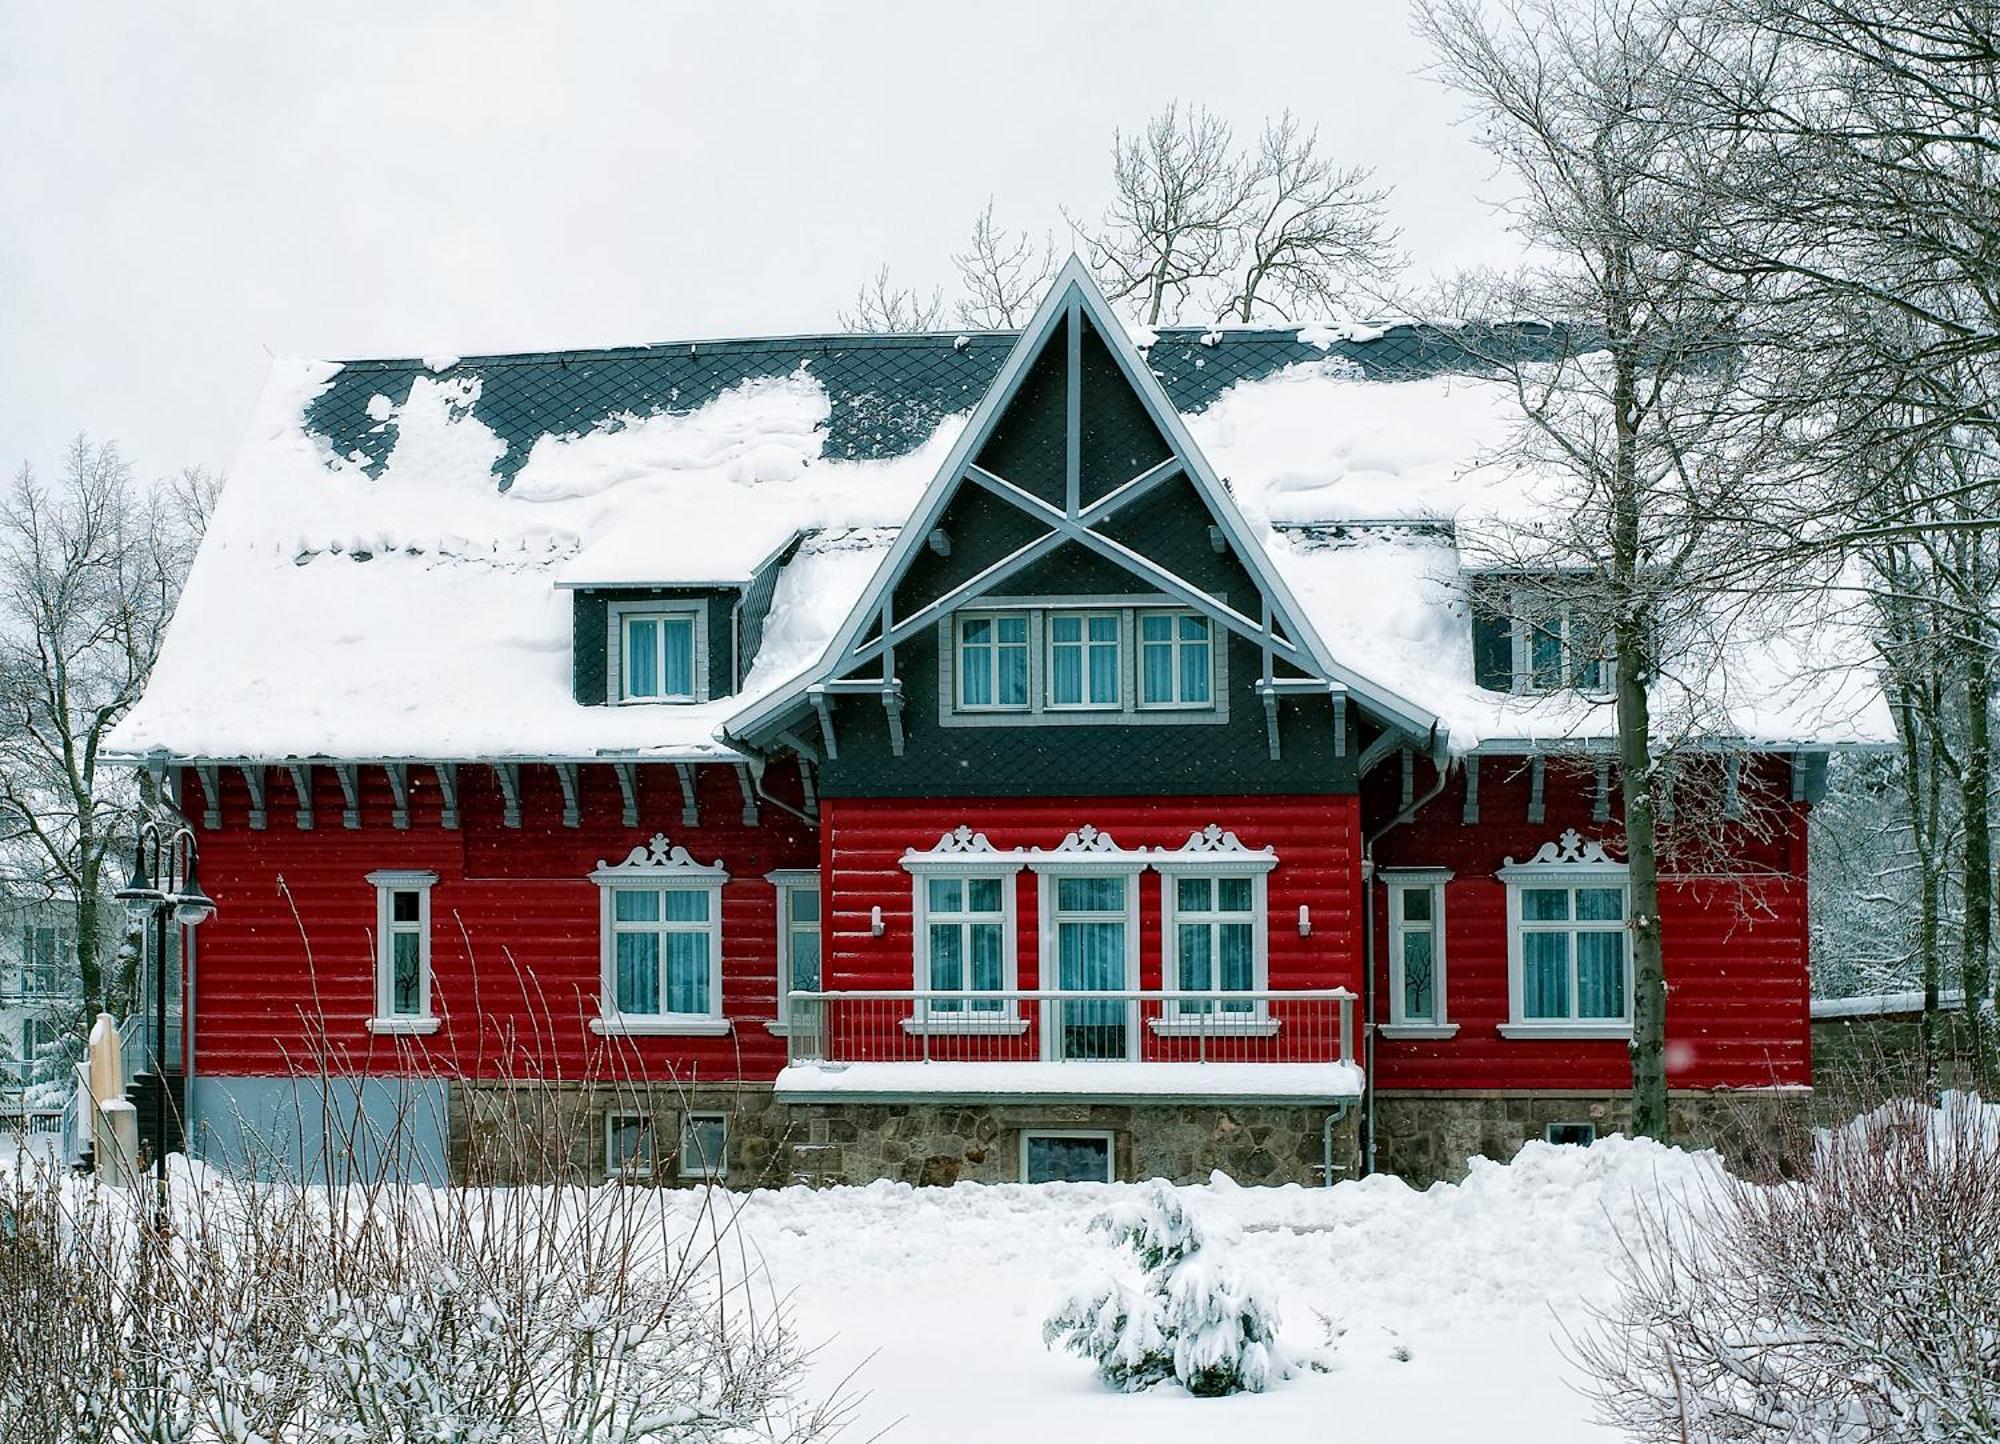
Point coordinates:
[(163, 884)]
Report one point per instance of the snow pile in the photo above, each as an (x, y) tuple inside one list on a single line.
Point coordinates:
[(1187, 1317)]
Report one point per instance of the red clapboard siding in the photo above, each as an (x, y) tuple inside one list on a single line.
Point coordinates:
[(514, 947), (1736, 946), (1317, 841)]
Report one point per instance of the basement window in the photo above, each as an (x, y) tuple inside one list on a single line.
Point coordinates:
[(628, 1145), (1068, 1156), (704, 1145), (1581, 1134)]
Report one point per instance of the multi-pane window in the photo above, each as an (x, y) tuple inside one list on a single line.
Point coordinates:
[(402, 949), (1084, 665), (993, 660), (1558, 644), (38, 1041), (1572, 950), (965, 931), (628, 1145), (1067, 1157), (1215, 941), (44, 956), (1092, 922), (657, 652), (704, 1145), (1175, 660), (663, 951), (1416, 948), (798, 936)]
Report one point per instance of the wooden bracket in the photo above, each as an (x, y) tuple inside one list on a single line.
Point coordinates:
[(1409, 760), (302, 787), (572, 812), (211, 791), (1537, 777), (399, 791), (1600, 807), (1732, 785), (447, 776), (628, 788), (892, 705), (748, 785), (1471, 813), (825, 710), (807, 786), (690, 812), (1340, 724), (253, 778), (508, 775), (1271, 721), (350, 791)]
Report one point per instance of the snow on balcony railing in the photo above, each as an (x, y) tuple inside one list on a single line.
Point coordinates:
[(1067, 1040)]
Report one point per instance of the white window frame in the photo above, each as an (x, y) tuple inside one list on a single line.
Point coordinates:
[(1569, 862), (387, 882), (1177, 644), (1085, 853), (964, 854), (613, 1169), (958, 625), (787, 881), (1214, 853), (619, 615), (1103, 1135), (1398, 881), (690, 1162), (658, 866), (1523, 604), (1084, 617)]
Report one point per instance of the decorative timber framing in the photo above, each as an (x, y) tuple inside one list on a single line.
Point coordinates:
[(302, 790), (871, 632)]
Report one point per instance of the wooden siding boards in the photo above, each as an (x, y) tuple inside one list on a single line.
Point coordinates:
[(514, 936), (1736, 947)]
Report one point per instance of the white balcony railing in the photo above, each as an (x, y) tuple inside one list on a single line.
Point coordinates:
[(855, 1026)]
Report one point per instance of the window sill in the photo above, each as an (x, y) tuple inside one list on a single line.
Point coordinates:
[(656, 701), (1576, 1032), (660, 1027), (1001, 1026), (1196, 1026), (1431, 1031), (404, 1027)]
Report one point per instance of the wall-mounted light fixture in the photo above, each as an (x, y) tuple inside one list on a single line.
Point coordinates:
[(1305, 921), (875, 924)]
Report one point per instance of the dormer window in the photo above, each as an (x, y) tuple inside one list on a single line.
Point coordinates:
[(659, 653), (1536, 638)]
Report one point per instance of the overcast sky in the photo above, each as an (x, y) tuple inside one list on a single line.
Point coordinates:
[(190, 189)]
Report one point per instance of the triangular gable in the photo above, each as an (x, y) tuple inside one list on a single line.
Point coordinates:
[(1049, 489)]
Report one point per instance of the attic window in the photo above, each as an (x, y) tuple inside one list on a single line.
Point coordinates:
[(658, 653), (1539, 636)]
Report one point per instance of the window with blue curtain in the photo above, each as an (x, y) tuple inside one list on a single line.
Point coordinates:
[(993, 660), (1084, 659), (965, 934), (1573, 953), (1091, 927), (663, 944), (1175, 660), (658, 661), (1215, 941)]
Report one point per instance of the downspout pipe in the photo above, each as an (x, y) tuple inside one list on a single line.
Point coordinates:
[(760, 761), (1441, 760)]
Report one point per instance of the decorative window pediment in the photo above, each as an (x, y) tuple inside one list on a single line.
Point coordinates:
[(1214, 851), (1570, 853), (658, 860), (963, 850), (1088, 850)]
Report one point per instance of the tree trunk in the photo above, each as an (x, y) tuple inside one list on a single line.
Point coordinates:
[(1976, 792), (89, 916)]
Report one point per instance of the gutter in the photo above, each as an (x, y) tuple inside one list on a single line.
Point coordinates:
[(1439, 754)]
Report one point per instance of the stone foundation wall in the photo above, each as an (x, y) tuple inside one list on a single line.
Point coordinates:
[(1859, 1061), (502, 1133), (1428, 1137)]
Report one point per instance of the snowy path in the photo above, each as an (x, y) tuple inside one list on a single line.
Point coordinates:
[(937, 1298)]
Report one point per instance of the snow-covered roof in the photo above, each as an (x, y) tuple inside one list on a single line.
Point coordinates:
[(387, 572)]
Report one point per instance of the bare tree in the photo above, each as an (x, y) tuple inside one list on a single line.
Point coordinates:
[(1631, 417), (1311, 230), (90, 568), (881, 306), (1174, 226), (1004, 274)]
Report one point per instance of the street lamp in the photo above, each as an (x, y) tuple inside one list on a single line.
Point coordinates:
[(164, 883)]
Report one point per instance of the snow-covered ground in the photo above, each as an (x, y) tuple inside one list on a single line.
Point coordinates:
[(1451, 1300)]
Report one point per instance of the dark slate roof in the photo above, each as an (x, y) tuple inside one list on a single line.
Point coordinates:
[(887, 392)]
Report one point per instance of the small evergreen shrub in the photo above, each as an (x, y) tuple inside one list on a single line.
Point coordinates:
[(1189, 1316)]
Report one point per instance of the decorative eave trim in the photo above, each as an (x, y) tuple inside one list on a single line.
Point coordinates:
[(1572, 854), (659, 861)]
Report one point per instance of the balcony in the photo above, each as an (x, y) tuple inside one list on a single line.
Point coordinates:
[(883, 1045)]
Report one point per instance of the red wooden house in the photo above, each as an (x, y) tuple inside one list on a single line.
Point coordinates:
[(811, 780)]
